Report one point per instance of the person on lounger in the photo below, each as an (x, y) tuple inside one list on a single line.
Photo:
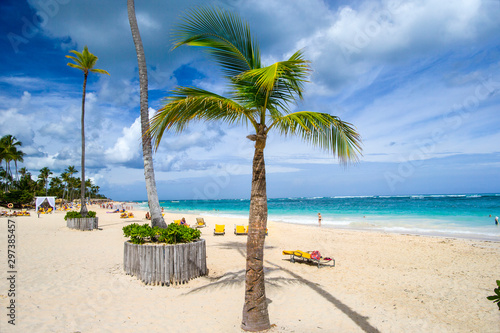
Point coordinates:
[(183, 221)]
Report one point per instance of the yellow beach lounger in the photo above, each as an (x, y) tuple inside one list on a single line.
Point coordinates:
[(240, 230), (178, 222), (220, 229), (310, 257), (200, 222)]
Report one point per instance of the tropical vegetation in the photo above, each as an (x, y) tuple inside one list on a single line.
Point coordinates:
[(22, 188), (496, 298), (172, 234), (261, 97), (84, 61)]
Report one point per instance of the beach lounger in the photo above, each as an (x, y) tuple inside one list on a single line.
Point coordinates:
[(178, 222), (200, 222), (220, 229), (313, 257), (240, 230)]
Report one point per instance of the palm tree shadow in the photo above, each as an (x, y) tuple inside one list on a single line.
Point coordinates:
[(233, 279), (240, 247), (236, 279), (357, 318)]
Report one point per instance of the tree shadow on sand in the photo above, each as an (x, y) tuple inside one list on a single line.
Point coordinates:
[(233, 279)]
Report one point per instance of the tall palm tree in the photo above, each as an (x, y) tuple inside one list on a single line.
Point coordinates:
[(9, 152), (44, 177), (259, 96), (147, 151), (85, 62), (18, 157)]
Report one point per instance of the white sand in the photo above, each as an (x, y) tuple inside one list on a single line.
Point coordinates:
[(73, 281)]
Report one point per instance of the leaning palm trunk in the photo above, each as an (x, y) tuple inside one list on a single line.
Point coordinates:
[(255, 314), (147, 151), (83, 209)]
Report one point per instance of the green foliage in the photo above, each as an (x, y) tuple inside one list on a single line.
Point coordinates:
[(77, 215), (18, 197), (173, 234), (496, 298)]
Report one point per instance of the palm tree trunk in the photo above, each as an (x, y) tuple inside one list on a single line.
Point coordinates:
[(255, 314), (147, 151), (83, 209)]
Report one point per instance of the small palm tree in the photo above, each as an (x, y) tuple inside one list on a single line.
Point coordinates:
[(85, 62), (260, 96), (44, 177), (9, 152)]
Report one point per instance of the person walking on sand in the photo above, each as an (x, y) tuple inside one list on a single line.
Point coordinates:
[(319, 219)]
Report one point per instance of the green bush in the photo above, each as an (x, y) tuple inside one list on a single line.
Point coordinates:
[(173, 234), (77, 215), (496, 298), (17, 197)]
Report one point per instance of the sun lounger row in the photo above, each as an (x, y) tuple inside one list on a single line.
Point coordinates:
[(220, 229), (21, 213)]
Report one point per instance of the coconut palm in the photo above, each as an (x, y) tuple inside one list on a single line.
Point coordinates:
[(9, 152), (44, 177), (18, 157), (147, 151), (259, 96), (84, 61)]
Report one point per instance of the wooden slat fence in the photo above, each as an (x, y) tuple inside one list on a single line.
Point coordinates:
[(162, 264), (89, 223)]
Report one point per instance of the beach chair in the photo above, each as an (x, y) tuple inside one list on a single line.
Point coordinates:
[(220, 229), (200, 222), (124, 216), (240, 230), (178, 222), (313, 257)]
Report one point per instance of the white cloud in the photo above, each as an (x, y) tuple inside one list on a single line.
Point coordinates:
[(127, 147)]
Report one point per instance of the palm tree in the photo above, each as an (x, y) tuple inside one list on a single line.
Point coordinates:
[(84, 61), (44, 177), (9, 152), (147, 151), (259, 96), (18, 157)]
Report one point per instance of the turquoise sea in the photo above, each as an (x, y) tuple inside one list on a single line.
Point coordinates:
[(455, 215)]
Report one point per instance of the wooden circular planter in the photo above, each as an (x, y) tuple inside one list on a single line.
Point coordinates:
[(88, 223), (163, 264)]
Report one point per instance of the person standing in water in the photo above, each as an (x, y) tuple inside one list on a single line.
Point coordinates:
[(496, 220), (319, 219)]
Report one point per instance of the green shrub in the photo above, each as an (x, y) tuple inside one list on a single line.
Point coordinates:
[(173, 234), (77, 215), (496, 298)]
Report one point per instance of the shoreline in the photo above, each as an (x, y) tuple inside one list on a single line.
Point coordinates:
[(72, 280), (457, 234)]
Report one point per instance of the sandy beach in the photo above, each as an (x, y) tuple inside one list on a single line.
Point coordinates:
[(73, 281)]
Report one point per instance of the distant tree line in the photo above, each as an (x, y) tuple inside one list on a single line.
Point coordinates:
[(19, 187)]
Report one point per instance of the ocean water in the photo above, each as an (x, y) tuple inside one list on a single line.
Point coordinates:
[(457, 215)]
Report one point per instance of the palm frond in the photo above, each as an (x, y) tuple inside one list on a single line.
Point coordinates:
[(187, 104), (100, 71), (278, 85), (225, 36), (323, 130)]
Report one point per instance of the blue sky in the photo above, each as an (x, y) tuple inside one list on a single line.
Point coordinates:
[(419, 79)]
